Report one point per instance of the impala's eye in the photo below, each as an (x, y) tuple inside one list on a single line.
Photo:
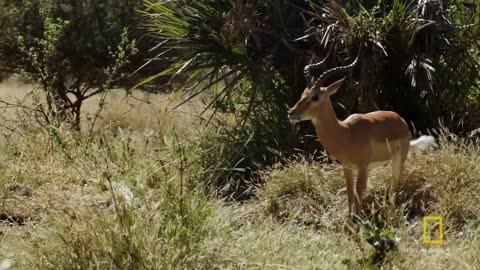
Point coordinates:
[(314, 98)]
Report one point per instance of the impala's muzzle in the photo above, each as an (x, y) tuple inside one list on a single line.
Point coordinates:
[(293, 117)]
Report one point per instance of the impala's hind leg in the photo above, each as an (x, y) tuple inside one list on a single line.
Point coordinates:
[(398, 161)]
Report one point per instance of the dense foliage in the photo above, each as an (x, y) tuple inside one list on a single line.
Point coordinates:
[(418, 58), (72, 49)]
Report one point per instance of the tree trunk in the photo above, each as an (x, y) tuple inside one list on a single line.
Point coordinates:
[(239, 6)]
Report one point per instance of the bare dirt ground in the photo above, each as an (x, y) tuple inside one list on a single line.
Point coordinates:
[(13, 88)]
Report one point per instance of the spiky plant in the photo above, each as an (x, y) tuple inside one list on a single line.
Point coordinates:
[(236, 51), (412, 52)]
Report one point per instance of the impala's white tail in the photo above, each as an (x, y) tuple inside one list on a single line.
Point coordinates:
[(422, 143), (5, 265)]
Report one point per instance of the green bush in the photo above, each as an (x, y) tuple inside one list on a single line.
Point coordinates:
[(407, 62), (244, 137), (71, 50)]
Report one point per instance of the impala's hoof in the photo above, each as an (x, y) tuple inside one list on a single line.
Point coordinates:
[(349, 227)]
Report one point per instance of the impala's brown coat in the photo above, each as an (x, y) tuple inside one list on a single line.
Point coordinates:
[(357, 142)]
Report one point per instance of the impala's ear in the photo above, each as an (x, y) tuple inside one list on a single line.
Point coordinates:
[(332, 88)]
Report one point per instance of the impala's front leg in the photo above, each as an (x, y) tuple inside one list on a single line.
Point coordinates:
[(361, 186), (350, 188)]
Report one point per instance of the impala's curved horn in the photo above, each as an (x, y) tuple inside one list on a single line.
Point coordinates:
[(336, 70), (307, 70)]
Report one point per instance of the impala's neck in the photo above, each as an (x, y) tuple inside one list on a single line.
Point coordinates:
[(333, 135)]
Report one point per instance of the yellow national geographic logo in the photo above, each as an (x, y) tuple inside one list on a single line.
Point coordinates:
[(435, 220)]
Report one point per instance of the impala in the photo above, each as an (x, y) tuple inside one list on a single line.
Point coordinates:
[(359, 141)]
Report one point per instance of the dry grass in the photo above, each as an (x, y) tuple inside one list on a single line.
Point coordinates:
[(309, 194), (142, 113), (295, 222), (136, 114), (445, 182)]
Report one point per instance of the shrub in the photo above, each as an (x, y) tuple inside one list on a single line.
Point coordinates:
[(73, 51)]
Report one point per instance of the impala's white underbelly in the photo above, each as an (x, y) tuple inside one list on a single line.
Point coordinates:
[(372, 165)]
